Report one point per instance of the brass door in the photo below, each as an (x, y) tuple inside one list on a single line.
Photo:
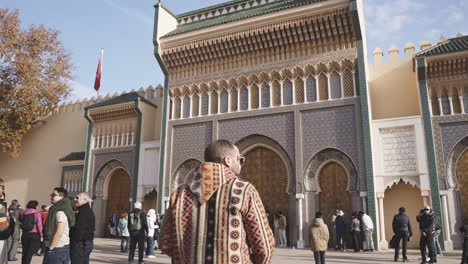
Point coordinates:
[(118, 198), (333, 181), (462, 177), (268, 173)]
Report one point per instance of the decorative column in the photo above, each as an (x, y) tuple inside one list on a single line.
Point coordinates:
[(341, 84), (300, 241), (229, 101), (451, 106), (317, 89), (191, 106), (446, 224), (293, 84), (238, 99), (462, 105), (328, 86), (219, 102), (441, 109), (182, 107), (200, 100), (425, 196), (383, 244), (281, 93)]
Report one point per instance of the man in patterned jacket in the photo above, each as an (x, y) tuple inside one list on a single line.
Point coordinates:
[(215, 217)]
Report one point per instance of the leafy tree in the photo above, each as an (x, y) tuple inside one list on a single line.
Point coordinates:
[(35, 72)]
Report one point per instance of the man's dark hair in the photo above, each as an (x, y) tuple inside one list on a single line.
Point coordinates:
[(217, 150), (32, 204), (43, 206), (402, 210), (318, 214), (62, 191)]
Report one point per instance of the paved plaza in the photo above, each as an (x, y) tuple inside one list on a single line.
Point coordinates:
[(108, 251)]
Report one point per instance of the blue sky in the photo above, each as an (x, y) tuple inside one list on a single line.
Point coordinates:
[(124, 29)]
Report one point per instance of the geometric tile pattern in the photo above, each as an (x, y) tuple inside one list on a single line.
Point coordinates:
[(399, 149), (276, 93), (299, 87), (335, 86), (214, 102), (234, 100), (348, 83), (254, 95), (334, 128), (323, 87), (311, 85)]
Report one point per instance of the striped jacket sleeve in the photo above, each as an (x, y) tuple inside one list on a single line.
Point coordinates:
[(259, 235)]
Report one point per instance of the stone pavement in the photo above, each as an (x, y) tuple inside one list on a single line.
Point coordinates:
[(108, 251)]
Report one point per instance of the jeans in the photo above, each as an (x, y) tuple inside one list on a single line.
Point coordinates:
[(80, 251), (57, 256), (30, 243), (404, 238), (13, 243), (438, 249), (355, 235), (137, 237), (282, 237), (368, 241), (124, 242), (427, 241), (150, 246), (465, 251), (319, 257), (340, 241)]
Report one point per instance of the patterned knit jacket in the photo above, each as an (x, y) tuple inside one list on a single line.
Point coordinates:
[(216, 218)]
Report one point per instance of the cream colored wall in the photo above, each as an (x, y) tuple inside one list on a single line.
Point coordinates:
[(34, 174), (393, 86), (148, 131), (403, 195)]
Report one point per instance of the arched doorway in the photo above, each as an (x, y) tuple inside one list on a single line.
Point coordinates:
[(182, 171), (402, 194), (462, 179), (268, 173), (118, 194), (150, 200), (333, 182)]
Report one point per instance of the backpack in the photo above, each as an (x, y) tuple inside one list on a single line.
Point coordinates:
[(28, 222), (134, 222), (437, 224)]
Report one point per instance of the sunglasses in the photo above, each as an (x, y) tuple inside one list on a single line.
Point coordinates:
[(77, 197), (241, 160), (53, 195)]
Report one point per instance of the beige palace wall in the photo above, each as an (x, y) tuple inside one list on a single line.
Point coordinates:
[(393, 86), (37, 171)]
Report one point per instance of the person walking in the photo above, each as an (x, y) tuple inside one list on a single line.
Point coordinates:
[(7, 225), (14, 240), (32, 232), (464, 232), (113, 225), (355, 230), (340, 231), (368, 228), (318, 237), (138, 228), (57, 228), (122, 228), (44, 211), (151, 219), (282, 229), (437, 230), (427, 226), (227, 209), (403, 231), (82, 234)]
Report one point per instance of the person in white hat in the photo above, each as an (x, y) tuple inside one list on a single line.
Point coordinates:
[(427, 226)]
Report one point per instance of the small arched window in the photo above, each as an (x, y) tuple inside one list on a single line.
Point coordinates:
[(204, 104), (335, 86), (311, 86), (224, 101), (287, 93), (265, 95), (186, 113), (244, 98)]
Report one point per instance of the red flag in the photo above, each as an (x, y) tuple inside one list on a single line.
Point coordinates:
[(97, 81)]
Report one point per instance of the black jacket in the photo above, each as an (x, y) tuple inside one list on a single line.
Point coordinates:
[(144, 223), (402, 224), (5, 234), (85, 224), (427, 223)]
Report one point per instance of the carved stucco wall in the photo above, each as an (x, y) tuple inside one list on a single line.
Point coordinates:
[(332, 128), (398, 149), (279, 127), (448, 131)]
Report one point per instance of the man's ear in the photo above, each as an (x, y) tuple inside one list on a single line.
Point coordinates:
[(227, 161)]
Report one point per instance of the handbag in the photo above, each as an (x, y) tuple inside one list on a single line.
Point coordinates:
[(393, 242)]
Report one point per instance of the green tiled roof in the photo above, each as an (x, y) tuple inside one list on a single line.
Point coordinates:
[(450, 45), (126, 97), (237, 15), (74, 156)]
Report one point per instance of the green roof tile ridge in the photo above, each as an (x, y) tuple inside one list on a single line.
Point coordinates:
[(450, 45), (210, 8), (123, 98), (234, 16), (74, 156)]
